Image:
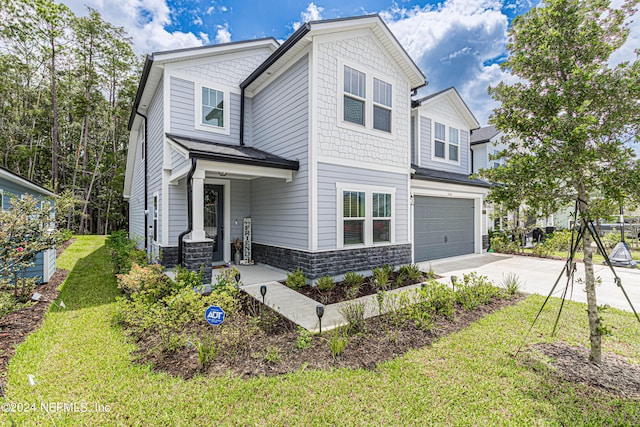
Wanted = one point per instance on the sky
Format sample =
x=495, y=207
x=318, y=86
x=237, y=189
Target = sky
x=456, y=43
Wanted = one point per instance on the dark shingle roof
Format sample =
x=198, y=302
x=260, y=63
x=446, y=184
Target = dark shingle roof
x=450, y=177
x=482, y=135
x=239, y=154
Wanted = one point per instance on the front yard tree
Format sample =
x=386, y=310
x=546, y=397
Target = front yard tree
x=570, y=117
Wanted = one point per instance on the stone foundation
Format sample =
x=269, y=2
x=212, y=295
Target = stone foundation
x=169, y=256
x=485, y=241
x=317, y=264
x=196, y=255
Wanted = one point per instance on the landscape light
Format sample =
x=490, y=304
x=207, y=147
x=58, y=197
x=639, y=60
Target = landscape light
x=320, y=313
x=453, y=282
x=263, y=292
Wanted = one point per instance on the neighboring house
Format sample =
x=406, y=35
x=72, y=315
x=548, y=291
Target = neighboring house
x=310, y=139
x=12, y=185
x=447, y=204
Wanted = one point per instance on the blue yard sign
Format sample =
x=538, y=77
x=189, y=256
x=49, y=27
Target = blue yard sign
x=214, y=315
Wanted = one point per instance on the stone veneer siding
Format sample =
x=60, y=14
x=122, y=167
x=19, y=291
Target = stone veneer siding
x=168, y=256
x=485, y=241
x=317, y=264
x=198, y=254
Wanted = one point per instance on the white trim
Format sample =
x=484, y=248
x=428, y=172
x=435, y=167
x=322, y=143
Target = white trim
x=226, y=194
x=225, y=129
x=178, y=148
x=22, y=181
x=447, y=125
x=368, y=100
x=226, y=49
x=361, y=165
x=155, y=217
x=178, y=175
x=246, y=170
x=368, y=191
x=312, y=153
x=280, y=71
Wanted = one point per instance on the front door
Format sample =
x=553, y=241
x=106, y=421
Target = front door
x=213, y=221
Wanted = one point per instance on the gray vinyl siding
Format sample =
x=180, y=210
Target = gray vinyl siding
x=11, y=189
x=182, y=112
x=279, y=209
x=240, y=207
x=426, y=147
x=178, y=221
x=136, y=200
x=413, y=139
x=425, y=141
x=329, y=175
x=155, y=146
x=178, y=162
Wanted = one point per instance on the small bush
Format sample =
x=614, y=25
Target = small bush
x=503, y=244
x=304, y=339
x=559, y=240
x=437, y=298
x=272, y=354
x=185, y=278
x=227, y=278
x=511, y=284
x=8, y=303
x=353, y=280
x=475, y=291
x=296, y=280
x=411, y=272
x=124, y=252
x=206, y=348
x=338, y=343
x=149, y=282
x=325, y=284
x=610, y=240
x=380, y=277
x=353, y=313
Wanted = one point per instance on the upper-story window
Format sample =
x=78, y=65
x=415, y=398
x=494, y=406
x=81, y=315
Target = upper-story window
x=366, y=100
x=381, y=105
x=446, y=148
x=212, y=108
x=355, y=94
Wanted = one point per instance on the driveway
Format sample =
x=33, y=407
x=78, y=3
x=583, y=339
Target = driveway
x=537, y=275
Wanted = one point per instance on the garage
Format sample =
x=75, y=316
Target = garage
x=443, y=227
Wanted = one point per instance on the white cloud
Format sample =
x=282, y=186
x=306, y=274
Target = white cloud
x=455, y=44
x=144, y=21
x=197, y=21
x=311, y=13
x=222, y=33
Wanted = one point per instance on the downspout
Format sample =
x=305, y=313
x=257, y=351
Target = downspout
x=242, y=116
x=189, y=208
x=146, y=195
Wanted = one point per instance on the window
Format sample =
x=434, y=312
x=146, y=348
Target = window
x=155, y=218
x=453, y=144
x=381, y=105
x=212, y=107
x=354, y=217
x=366, y=213
x=355, y=94
x=381, y=217
x=446, y=145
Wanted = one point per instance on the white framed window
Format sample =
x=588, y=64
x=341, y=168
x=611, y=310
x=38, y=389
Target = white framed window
x=355, y=94
x=365, y=215
x=365, y=100
x=446, y=143
x=212, y=108
x=382, y=105
x=155, y=217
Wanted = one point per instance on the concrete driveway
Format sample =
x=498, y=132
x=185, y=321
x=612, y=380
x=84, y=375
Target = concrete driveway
x=538, y=275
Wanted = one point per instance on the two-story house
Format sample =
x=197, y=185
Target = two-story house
x=304, y=146
x=448, y=206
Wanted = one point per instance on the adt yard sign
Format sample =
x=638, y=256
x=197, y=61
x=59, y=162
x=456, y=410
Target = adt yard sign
x=214, y=315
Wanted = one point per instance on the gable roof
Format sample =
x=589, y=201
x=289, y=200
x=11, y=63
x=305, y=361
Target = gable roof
x=452, y=94
x=299, y=40
x=482, y=135
x=24, y=182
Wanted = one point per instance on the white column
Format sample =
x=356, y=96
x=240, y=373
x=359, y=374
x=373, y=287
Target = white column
x=197, y=203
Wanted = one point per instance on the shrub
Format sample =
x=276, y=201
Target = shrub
x=610, y=240
x=511, y=284
x=475, y=291
x=353, y=313
x=559, y=240
x=148, y=281
x=8, y=303
x=272, y=354
x=304, y=339
x=437, y=298
x=380, y=277
x=206, y=349
x=227, y=278
x=185, y=278
x=353, y=280
x=325, y=284
x=124, y=252
x=296, y=280
x=502, y=243
x=410, y=271
x=338, y=343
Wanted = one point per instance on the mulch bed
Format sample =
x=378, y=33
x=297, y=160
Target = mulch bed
x=614, y=375
x=339, y=293
x=381, y=340
x=16, y=326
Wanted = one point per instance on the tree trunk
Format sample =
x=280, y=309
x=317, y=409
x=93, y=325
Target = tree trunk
x=54, y=105
x=595, y=337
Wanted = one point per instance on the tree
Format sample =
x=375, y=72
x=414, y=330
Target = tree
x=570, y=118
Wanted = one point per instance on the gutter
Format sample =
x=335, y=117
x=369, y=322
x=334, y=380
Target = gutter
x=146, y=193
x=143, y=82
x=194, y=162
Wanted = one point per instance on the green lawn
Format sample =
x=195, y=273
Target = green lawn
x=468, y=378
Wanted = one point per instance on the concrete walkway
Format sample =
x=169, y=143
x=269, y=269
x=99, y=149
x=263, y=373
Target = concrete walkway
x=536, y=275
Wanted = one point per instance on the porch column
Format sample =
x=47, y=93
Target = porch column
x=197, y=203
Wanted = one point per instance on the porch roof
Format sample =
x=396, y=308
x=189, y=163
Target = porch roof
x=207, y=150
x=442, y=176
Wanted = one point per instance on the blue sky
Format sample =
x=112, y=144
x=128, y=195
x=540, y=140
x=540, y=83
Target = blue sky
x=455, y=42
